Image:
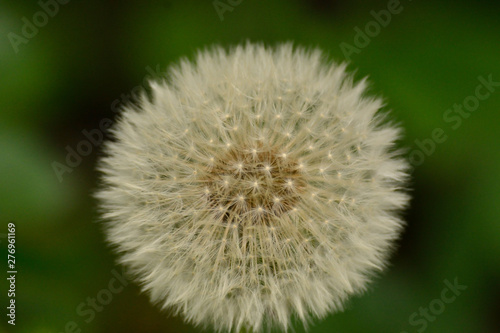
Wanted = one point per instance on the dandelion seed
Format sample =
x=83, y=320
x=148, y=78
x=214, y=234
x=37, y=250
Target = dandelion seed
x=253, y=236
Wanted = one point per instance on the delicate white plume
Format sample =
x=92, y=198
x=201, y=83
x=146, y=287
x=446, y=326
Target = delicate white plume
x=254, y=185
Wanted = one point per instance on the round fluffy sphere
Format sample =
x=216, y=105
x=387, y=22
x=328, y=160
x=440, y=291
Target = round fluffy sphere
x=252, y=186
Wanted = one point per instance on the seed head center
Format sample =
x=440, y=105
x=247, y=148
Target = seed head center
x=256, y=182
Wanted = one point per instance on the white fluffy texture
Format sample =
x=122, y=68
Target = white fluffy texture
x=254, y=185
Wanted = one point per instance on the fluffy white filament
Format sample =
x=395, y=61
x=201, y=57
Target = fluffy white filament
x=254, y=185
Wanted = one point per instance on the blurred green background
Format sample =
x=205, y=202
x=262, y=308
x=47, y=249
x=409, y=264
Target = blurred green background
x=67, y=74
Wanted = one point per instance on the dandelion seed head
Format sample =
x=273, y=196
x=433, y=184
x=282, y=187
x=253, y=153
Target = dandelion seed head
x=254, y=185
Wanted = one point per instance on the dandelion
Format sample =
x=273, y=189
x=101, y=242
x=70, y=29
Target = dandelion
x=253, y=186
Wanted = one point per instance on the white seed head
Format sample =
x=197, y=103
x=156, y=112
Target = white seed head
x=254, y=185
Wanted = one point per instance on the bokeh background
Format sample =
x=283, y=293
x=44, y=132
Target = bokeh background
x=85, y=60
